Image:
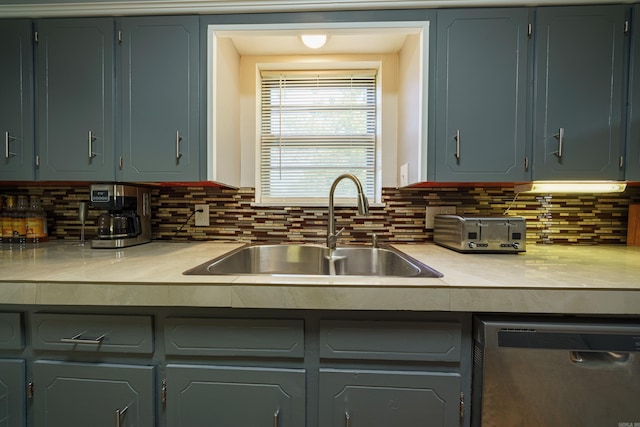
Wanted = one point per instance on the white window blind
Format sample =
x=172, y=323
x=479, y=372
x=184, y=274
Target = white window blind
x=314, y=127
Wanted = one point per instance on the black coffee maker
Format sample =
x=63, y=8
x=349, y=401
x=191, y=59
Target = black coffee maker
x=127, y=221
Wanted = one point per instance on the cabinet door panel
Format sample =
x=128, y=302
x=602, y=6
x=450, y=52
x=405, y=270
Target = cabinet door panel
x=632, y=172
x=579, y=89
x=12, y=393
x=74, y=394
x=16, y=90
x=481, y=95
x=160, y=72
x=75, y=99
x=388, y=398
x=228, y=396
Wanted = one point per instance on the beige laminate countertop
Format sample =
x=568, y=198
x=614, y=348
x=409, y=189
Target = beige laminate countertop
x=546, y=279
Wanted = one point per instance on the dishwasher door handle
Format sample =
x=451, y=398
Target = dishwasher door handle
x=600, y=357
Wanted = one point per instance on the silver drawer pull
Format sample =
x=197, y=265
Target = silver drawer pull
x=77, y=339
x=347, y=420
x=178, y=139
x=7, y=141
x=560, y=137
x=119, y=414
x=90, y=140
x=457, y=138
x=276, y=418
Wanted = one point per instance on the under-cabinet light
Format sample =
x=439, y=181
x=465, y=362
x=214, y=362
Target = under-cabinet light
x=571, y=187
x=314, y=41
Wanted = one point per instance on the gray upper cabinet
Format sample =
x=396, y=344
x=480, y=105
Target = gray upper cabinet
x=579, y=99
x=159, y=75
x=481, y=90
x=75, y=99
x=633, y=141
x=16, y=92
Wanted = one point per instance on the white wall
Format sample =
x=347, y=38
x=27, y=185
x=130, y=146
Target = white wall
x=223, y=114
x=249, y=108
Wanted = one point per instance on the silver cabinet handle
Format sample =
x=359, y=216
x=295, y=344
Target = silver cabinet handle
x=347, y=420
x=178, y=139
x=276, y=418
x=560, y=137
x=7, y=141
x=457, y=138
x=77, y=339
x=91, y=139
x=120, y=414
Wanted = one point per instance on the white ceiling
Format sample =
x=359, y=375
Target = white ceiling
x=340, y=41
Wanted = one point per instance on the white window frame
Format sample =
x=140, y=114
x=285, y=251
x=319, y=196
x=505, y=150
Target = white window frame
x=347, y=187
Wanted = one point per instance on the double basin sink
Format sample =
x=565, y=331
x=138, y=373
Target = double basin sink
x=292, y=259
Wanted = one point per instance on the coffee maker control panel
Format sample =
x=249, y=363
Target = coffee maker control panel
x=114, y=196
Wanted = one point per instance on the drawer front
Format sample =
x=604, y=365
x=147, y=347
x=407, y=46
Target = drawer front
x=11, y=336
x=384, y=340
x=234, y=337
x=92, y=333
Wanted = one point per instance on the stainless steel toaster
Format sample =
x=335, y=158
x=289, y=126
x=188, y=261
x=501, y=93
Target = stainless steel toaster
x=481, y=233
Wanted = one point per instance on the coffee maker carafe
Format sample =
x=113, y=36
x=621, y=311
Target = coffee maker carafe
x=127, y=221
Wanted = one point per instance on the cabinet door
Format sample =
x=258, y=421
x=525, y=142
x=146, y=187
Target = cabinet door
x=389, y=398
x=75, y=99
x=12, y=393
x=579, y=70
x=160, y=96
x=96, y=395
x=632, y=172
x=481, y=95
x=16, y=92
x=234, y=396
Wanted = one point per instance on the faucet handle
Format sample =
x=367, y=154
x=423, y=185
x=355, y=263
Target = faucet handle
x=339, y=232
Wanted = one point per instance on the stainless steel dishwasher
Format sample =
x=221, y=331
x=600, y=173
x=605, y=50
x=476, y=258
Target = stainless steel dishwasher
x=554, y=372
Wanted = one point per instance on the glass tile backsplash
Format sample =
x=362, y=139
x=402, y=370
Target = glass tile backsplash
x=564, y=219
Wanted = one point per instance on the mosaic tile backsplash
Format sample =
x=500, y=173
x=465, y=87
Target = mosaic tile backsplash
x=563, y=219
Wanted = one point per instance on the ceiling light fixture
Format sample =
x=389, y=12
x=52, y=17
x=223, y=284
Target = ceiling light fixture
x=571, y=187
x=314, y=41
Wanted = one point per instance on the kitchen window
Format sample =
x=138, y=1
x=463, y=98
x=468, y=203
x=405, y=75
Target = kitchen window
x=316, y=125
x=261, y=139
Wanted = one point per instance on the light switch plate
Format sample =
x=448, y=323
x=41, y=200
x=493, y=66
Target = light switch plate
x=404, y=175
x=202, y=218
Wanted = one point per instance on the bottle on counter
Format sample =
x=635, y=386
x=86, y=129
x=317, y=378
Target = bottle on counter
x=36, y=219
x=6, y=220
x=20, y=220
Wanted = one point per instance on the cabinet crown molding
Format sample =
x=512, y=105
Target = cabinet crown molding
x=45, y=9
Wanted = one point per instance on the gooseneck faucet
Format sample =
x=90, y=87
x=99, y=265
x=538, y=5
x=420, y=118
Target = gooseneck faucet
x=363, y=208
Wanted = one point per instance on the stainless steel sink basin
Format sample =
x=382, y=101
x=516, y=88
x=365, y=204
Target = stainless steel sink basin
x=315, y=260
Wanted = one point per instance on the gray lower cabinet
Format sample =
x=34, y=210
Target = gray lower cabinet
x=12, y=393
x=83, y=374
x=160, y=90
x=481, y=95
x=13, y=390
x=230, y=377
x=91, y=394
x=632, y=171
x=418, y=380
x=579, y=92
x=16, y=109
x=389, y=398
x=199, y=395
x=75, y=105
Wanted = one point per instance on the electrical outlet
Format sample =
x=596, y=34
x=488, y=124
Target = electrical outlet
x=202, y=218
x=432, y=211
